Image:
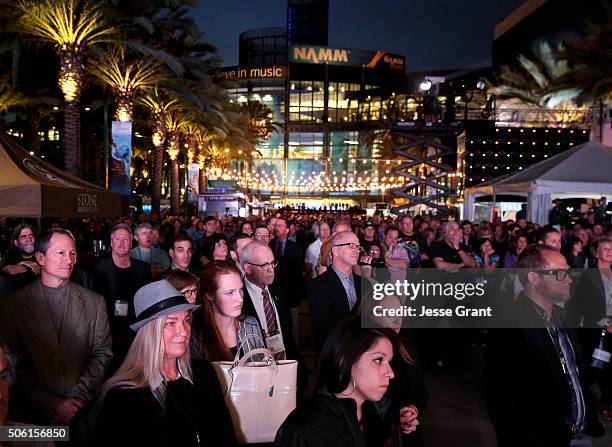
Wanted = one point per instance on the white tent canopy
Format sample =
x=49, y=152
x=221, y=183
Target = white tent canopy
x=583, y=171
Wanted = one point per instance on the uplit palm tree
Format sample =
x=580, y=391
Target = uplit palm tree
x=125, y=77
x=536, y=80
x=175, y=120
x=589, y=57
x=159, y=107
x=71, y=26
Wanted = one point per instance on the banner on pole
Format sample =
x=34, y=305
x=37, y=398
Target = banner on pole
x=121, y=161
x=193, y=182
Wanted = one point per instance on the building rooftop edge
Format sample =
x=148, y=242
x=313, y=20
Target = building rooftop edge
x=517, y=16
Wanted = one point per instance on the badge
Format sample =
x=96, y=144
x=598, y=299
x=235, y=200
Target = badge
x=121, y=308
x=275, y=343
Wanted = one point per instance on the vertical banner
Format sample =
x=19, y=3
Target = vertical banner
x=193, y=182
x=120, y=178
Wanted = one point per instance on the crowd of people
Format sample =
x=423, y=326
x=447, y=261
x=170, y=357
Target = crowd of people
x=119, y=345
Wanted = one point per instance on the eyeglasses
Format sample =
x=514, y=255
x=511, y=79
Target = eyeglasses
x=190, y=292
x=266, y=265
x=351, y=245
x=559, y=274
x=262, y=235
x=27, y=236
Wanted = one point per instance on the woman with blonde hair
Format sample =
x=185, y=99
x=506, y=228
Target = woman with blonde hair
x=220, y=330
x=159, y=396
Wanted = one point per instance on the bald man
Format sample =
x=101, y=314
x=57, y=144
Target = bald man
x=336, y=293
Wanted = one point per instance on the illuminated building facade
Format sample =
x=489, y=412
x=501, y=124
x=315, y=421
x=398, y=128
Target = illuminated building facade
x=327, y=105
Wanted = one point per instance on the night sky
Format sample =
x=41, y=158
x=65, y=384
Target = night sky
x=432, y=34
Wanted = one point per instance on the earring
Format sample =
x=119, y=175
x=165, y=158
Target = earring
x=212, y=305
x=352, y=391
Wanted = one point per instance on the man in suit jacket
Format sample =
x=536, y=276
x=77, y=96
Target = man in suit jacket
x=117, y=279
x=259, y=291
x=59, y=332
x=336, y=293
x=289, y=274
x=535, y=382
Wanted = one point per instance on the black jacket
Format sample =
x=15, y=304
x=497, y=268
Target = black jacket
x=329, y=303
x=105, y=283
x=323, y=421
x=284, y=317
x=289, y=273
x=134, y=417
x=527, y=393
x=588, y=303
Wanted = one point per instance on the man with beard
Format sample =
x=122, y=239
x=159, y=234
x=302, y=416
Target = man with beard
x=20, y=267
x=534, y=369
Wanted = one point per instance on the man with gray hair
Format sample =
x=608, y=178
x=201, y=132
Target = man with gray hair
x=117, y=278
x=336, y=293
x=144, y=251
x=59, y=332
x=450, y=253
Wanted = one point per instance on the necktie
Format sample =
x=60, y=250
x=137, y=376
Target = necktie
x=269, y=311
x=279, y=249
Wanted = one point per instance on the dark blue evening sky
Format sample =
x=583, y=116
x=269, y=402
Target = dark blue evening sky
x=432, y=34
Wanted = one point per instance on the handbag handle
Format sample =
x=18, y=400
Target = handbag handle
x=240, y=346
x=270, y=363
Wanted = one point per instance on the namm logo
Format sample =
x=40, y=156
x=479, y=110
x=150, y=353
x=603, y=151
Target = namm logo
x=318, y=55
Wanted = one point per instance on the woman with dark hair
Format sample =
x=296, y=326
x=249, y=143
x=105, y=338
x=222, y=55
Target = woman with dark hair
x=215, y=249
x=246, y=227
x=484, y=254
x=517, y=246
x=575, y=253
x=219, y=328
x=354, y=370
x=405, y=402
x=184, y=282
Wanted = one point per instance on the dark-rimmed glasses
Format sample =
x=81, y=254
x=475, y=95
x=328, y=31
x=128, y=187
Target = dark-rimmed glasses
x=265, y=265
x=351, y=245
x=559, y=274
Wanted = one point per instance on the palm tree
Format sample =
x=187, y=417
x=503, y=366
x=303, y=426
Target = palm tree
x=175, y=121
x=9, y=98
x=535, y=80
x=261, y=119
x=125, y=77
x=589, y=57
x=159, y=108
x=71, y=26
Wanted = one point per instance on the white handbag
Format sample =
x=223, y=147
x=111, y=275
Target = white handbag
x=259, y=394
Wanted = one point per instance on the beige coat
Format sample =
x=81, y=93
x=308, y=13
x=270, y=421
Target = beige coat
x=50, y=368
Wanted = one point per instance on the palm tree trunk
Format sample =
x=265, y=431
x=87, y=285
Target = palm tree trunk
x=158, y=159
x=174, y=188
x=72, y=140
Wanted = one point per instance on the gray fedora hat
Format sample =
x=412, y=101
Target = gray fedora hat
x=157, y=299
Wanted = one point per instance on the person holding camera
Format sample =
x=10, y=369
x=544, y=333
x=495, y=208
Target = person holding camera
x=373, y=264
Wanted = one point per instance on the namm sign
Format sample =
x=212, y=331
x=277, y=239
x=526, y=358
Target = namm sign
x=308, y=54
